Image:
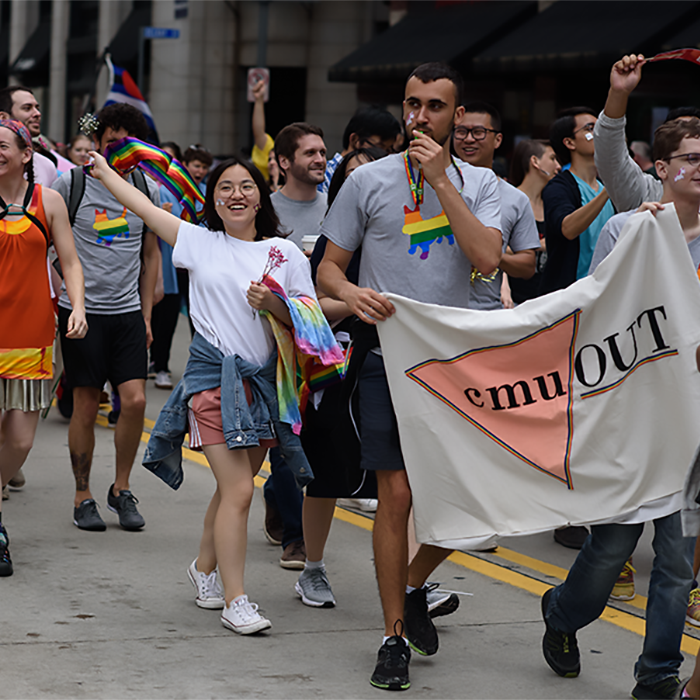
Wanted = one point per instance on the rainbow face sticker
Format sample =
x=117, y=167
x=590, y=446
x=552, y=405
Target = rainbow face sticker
x=680, y=175
x=109, y=229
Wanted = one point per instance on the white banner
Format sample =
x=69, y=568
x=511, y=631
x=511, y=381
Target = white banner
x=582, y=406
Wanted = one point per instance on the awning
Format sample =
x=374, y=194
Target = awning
x=124, y=47
x=33, y=60
x=583, y=34
x=452, y=34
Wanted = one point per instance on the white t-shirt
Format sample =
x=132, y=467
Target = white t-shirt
x=221, y=269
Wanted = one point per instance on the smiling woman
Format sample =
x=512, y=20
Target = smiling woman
x=31, y=218
x=230, y=343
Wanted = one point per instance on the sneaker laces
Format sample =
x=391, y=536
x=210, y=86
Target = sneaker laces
x=248, y=611
x=318, y=579
x=209, y=585
x=694, y=597
x=128, y=502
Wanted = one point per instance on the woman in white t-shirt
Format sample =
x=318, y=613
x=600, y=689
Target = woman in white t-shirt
x=222, y=260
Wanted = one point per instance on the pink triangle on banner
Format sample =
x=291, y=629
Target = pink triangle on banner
x=519, y=394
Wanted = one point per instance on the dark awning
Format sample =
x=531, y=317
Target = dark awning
x=33, y=60
x=452, y=34
x=124, y=48
x=586, y=33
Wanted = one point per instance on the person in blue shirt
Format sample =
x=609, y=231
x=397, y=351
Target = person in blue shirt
x=576, y=204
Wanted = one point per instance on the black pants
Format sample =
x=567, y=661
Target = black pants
x=163, y=323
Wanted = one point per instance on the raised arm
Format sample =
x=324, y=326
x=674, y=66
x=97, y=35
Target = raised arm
x=259, y=116
x=162, y=223
x=624, y=180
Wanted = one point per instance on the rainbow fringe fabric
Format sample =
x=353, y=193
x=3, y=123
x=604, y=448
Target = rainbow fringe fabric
x=308, y=357
x=129, y=153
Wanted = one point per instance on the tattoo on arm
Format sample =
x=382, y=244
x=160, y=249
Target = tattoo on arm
x=81, y=463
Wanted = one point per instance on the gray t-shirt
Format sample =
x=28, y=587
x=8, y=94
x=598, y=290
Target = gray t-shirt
x=611, y=232
x=405, y=250
x=300, y=219
x=108, y=239
x=519, y=231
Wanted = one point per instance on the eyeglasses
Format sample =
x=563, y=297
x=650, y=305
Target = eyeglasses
x=691, y=158
x=478, y=132
x=588, y=128
x=245, y=188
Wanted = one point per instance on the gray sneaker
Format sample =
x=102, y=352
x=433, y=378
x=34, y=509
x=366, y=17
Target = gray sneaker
x=86, y=517
x=124, y=505
x=314, y=589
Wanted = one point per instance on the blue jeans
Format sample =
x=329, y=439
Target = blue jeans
x=281, y=491
x=582, y=597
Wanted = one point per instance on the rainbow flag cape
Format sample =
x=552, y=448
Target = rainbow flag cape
x=129, y=153
x=308, y=356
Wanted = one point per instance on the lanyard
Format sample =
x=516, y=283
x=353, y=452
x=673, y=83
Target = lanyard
x=417, y=185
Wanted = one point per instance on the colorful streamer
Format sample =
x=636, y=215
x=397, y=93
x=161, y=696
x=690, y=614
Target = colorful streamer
x=309, y=358
x=692, y=55
x=130, y=153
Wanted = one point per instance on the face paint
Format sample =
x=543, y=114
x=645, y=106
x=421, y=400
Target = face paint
x=680, y=175
x=220, y=202
x=589, y=136
x=410, y=120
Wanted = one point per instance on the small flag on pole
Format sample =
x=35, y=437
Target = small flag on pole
x=124, y=89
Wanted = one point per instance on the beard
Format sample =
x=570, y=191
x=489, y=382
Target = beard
x=306, y=175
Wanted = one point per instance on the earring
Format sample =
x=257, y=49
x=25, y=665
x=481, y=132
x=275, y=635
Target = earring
x=257, y=208
x=220, y=202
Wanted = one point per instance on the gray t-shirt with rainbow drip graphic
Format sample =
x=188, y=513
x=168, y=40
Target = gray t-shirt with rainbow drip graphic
x=405, y=250
x=108, y=239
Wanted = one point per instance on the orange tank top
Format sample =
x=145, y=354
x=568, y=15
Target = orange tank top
x=26, y=312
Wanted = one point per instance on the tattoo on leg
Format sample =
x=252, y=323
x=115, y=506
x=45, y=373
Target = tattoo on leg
x=81, y=464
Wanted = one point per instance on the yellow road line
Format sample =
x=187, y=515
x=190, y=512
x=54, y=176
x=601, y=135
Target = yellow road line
x=626, y=621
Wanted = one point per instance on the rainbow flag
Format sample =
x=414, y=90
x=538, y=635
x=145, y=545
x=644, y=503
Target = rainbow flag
x=130, y=153
x=308, y=356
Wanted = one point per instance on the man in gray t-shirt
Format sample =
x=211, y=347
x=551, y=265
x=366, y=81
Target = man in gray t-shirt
x=113, y=245
x=423, y=219
x=475, y=140
x=301, y=153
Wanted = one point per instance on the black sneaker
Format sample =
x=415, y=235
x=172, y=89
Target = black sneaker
x=420, y=630
x=391, y=671
x=440, y=602
x=5, y=561
x=124, y=505
x=86, y=517
x=112, y=418
x=559, y=648
x=667, y=688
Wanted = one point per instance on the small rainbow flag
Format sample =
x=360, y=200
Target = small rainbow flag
x=130, y=153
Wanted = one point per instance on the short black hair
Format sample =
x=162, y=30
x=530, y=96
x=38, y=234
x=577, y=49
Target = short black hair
x=122, y=116
x=520, y=164
x=6, y=96
x=173, y=147
x=371, y=154
x=287, y=140
x=197, y=152
x=430, y=72
x=479, y=107
x=687, y=111
x=371, y=121
x=563, y=128
x=267, y=224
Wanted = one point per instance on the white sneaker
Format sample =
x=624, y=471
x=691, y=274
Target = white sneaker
x=243, y=617
x=209, y=593
x=163, y=380
x=368, y=505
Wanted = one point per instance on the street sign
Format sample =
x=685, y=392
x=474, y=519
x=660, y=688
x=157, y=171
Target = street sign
x=160, y=33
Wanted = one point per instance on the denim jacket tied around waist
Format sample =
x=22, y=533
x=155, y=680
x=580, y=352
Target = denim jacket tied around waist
x=244, y=426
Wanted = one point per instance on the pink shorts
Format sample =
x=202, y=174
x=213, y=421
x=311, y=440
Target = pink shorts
x=205, y=419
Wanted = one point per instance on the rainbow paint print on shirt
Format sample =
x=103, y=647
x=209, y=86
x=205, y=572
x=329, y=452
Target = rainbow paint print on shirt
x=425, y=232
x=109, y=229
